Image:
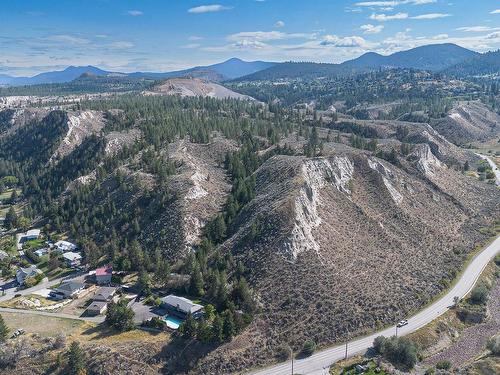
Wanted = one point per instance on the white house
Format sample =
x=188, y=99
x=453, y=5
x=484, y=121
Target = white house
x=72, y=259
x=69, y=289
x=41, y=252
x=64, y=246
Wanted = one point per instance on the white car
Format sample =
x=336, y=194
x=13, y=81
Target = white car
x=402, y=323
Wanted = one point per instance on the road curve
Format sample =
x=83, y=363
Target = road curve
x=493, y=166
x=320, y=362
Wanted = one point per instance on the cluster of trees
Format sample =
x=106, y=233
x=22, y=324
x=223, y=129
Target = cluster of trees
x=120, y=316
x=362, y=143
x=214, y=327
x=397, y=350
x=429, y=91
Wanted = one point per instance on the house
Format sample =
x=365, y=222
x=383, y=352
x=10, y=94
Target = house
x=32, y=234
x=64, y=246
x=41, y=252
x=23, y=273
x=96, y=308
x=103, y=275
x=72, y=259
x=181, y=307
x=105, y=294
x=69, y=289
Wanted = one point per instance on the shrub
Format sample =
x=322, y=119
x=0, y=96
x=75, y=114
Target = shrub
x=479, y=295
x=397, y=350
x=494, y=345
x=283, y=352
x=308, y=348
x=443, y=365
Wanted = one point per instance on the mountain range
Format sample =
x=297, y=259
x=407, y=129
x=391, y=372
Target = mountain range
x=450, y=58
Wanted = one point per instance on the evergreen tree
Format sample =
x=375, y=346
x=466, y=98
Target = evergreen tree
x=4, y=330
x=76, y=361
x=218, y=329
x=11, y=218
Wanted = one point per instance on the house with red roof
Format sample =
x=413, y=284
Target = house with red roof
x=103, y=275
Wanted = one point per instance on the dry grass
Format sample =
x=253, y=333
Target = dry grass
x=42, y=325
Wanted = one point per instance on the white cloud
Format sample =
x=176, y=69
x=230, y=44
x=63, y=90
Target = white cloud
x=191, y=46
x=267, y=36
x=496, y=11
x=68, y=39
x=121, y=45
x=477, y=29
x=347, y=41
x=393, y=3
x=208, y=9
x=195, y=38
x=388, y=17
x=431, y=16
x=279, y=24
x=135, y=13
x=371, y=29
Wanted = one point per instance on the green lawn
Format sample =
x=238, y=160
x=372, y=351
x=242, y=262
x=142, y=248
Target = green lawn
x=7, y=193
x=34, y=244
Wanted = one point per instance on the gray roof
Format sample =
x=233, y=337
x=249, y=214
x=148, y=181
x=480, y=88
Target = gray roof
x=180, y=303
x=71, y=286
x=29, y=271
x=3, y=255
x=97, y=305
x=105, y=292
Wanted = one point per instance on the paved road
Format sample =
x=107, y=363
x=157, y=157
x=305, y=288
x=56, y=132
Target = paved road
x=94, y=319
x=493, y=166
x=320, y=362
x=45, y=284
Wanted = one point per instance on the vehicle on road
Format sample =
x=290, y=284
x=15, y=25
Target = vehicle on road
x=402, y=323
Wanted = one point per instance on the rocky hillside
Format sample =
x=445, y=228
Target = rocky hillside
x=469, y=122
x=191, y=87
x=350, y=243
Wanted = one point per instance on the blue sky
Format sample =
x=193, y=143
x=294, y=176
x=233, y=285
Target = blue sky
x=163, y=35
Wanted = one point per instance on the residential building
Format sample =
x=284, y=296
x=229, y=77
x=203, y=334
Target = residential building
x=32, y=234
x=103, y=275
x=23, y=273
x=41, y=252
x=72, y=259
x=64, y=246
x=96, y=308
x=181, y=307
x=69, y=289
x=3, y=255
x=105, y=294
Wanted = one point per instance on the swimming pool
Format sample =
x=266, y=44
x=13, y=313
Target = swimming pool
x=172, y=321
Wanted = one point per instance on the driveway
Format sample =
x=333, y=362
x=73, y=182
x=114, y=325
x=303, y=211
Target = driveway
x=144, y=312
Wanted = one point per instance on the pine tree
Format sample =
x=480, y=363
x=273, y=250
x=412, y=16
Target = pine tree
x=76, y=361
x=218, y=329
x=4, y=330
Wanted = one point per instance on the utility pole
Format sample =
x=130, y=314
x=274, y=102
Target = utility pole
x=396, y=331
x=291, y=351
x=346, y=349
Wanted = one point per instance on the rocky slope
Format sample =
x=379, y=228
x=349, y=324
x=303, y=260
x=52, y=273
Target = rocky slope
x=469, y=122
x=350, y=243
x=194, y=87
